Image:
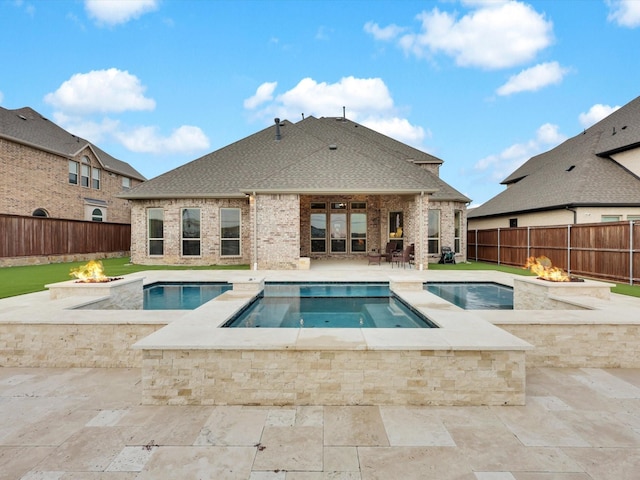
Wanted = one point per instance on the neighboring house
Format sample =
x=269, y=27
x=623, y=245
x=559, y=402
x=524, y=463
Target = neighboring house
x=592, y=177
x=319, y=188
x=48, y=172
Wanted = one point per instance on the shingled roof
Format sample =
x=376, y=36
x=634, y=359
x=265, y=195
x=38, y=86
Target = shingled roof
x=28, y=127
x=578, y=172
x=315, y=155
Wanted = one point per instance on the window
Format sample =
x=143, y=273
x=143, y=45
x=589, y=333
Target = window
x=318, y=206
x=610, y=218
x=40, y=212
x=457, y=231
x=395, y=229
x=84, y=178
x=635, y=218
x=358, y=232
x=126, y=183
x=339, y=206
x=190, y=232
x=155, y=220
x=73, y=172
x=513, y=223
x=230, y=232
x=96, y=215
x=319, y=232
x=95, y=177
x=339, y=232
x=434, y=231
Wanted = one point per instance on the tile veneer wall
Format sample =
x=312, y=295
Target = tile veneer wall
x=263, y=377
x=72, y=345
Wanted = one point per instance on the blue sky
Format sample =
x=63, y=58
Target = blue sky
x=482, y=84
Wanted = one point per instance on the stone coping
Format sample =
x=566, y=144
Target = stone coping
x=458, y=330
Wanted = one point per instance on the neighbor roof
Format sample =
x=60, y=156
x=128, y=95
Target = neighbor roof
x=315, y=155
x=578, y=172
x=28, y=127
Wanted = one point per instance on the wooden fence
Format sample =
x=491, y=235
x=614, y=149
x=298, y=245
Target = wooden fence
x=36, y=236
x=608, y=251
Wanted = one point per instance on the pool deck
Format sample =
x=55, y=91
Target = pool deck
x=89, y=424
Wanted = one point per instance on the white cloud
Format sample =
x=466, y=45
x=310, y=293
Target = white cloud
x=625, y=13
x=501, y=165
x=494, y=34
x=367, y=101
x=115, y=12
x=102, y=91
x=534, y=78
x=1, y=97
x=398, y=128
x=185, y=139
x=263, y=94
x=81, y=101
x=387, y=33
x=595, y=114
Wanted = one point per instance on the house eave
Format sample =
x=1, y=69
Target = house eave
x=567, y=206
x=338, y=191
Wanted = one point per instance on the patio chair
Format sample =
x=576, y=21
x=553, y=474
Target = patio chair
x=447, y=256
x=404, y=257
x=388, y=251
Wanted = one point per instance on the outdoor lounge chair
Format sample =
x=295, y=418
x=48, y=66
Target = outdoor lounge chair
x=447, y=256
x=404, y=257
x=388, y=251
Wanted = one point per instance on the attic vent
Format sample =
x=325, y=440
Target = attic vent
x=571, y=168
x=333, y=146
x=22, y=117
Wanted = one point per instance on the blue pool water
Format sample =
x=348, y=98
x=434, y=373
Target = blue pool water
x=181, y=296
x=474, y=295
x=328, y=305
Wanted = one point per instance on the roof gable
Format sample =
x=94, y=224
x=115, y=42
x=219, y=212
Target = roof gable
x=576, y=172
x=28, y=127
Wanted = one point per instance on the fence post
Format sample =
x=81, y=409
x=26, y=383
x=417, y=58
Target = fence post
x=630, y=252
x=498, y=245
x=569, y=249
x=476, y=244
x=528, y=242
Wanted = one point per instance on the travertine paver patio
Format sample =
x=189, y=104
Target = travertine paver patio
x=63, y=424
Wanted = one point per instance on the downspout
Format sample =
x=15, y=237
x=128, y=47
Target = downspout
x=421, y=231
x=255, y=231
x=575, y=214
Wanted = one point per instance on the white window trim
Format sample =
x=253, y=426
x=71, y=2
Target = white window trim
x=182, y=238
x=149, y=237
x=239, y=239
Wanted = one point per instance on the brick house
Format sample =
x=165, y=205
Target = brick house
x=46, y=171
x=592, y=177
x=319, y=188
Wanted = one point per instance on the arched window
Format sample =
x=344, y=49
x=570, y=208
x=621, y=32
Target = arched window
x=96, y=215
x=40, y=212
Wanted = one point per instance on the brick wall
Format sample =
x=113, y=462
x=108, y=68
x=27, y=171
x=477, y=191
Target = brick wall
x=209, y=228
x=278, y=231
x=35, y=179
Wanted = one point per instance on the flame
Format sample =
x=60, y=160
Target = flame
x=543, y=268
x=91, y=272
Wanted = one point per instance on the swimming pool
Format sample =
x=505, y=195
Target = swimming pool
x=180, y=295
x=474, y=295
x=328, y=305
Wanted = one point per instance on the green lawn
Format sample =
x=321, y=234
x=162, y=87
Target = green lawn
x=33, y=278
x=21, y=280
